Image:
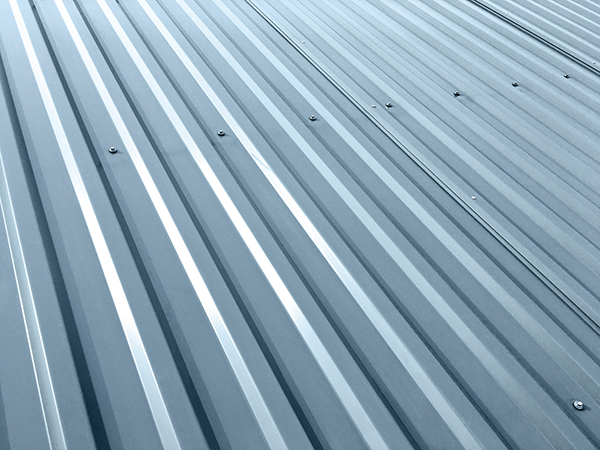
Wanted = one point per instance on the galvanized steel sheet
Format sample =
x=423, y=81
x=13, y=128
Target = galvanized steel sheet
x=327, y=224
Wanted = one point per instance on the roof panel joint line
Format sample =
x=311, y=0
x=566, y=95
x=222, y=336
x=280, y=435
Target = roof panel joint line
x=146, y=373
x=35, y=340
x=550, y=280
x=536, y=36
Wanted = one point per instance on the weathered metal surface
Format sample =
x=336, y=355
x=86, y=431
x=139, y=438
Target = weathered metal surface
x=272, y=224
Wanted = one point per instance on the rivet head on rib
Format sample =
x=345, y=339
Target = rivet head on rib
x=112, y=150
x=515, y=84
x=578, y=405
x=312, y=118
x=388, y=105
x=221, y=133
x=456, y=93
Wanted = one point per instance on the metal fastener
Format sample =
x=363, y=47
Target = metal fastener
x=388, y=105
x=112, y=150
x=456, y=94
x=373, y=106
x=515, y=84
x=567, y=75
x=578, y=405
x=474, y=198
x=312, y=118
x=221, y=133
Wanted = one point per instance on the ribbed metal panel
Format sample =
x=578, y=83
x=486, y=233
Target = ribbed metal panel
x=322, y=224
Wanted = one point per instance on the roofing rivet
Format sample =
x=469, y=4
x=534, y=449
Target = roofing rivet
x=593, y=62
x=567, y=75
x=112, y=150
x=474, y=198
x=388, y=105
x=312, y=118
x=578, y=405
x=221, y=133
x=304, y=42
x=515, y=84
x=456, y=94
x=373, y=106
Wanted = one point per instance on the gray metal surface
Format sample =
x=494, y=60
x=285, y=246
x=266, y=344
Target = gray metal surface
x=407, y=269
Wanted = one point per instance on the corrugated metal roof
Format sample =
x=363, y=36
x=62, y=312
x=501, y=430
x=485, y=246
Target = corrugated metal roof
x=322, y=224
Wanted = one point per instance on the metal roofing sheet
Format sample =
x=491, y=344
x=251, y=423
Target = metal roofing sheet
x=272, y=224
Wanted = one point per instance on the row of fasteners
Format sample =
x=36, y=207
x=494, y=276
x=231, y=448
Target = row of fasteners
x=312, y=118
x=514, y=83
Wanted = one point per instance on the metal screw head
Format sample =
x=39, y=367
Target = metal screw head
x=578, y=405
x=515, y=84
x=312, y=118
x=112, y=150
x=221, y=133
x=388, y=105
x=567, y=75
x=456, y=94
x=474, y=198
x=373, y=106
